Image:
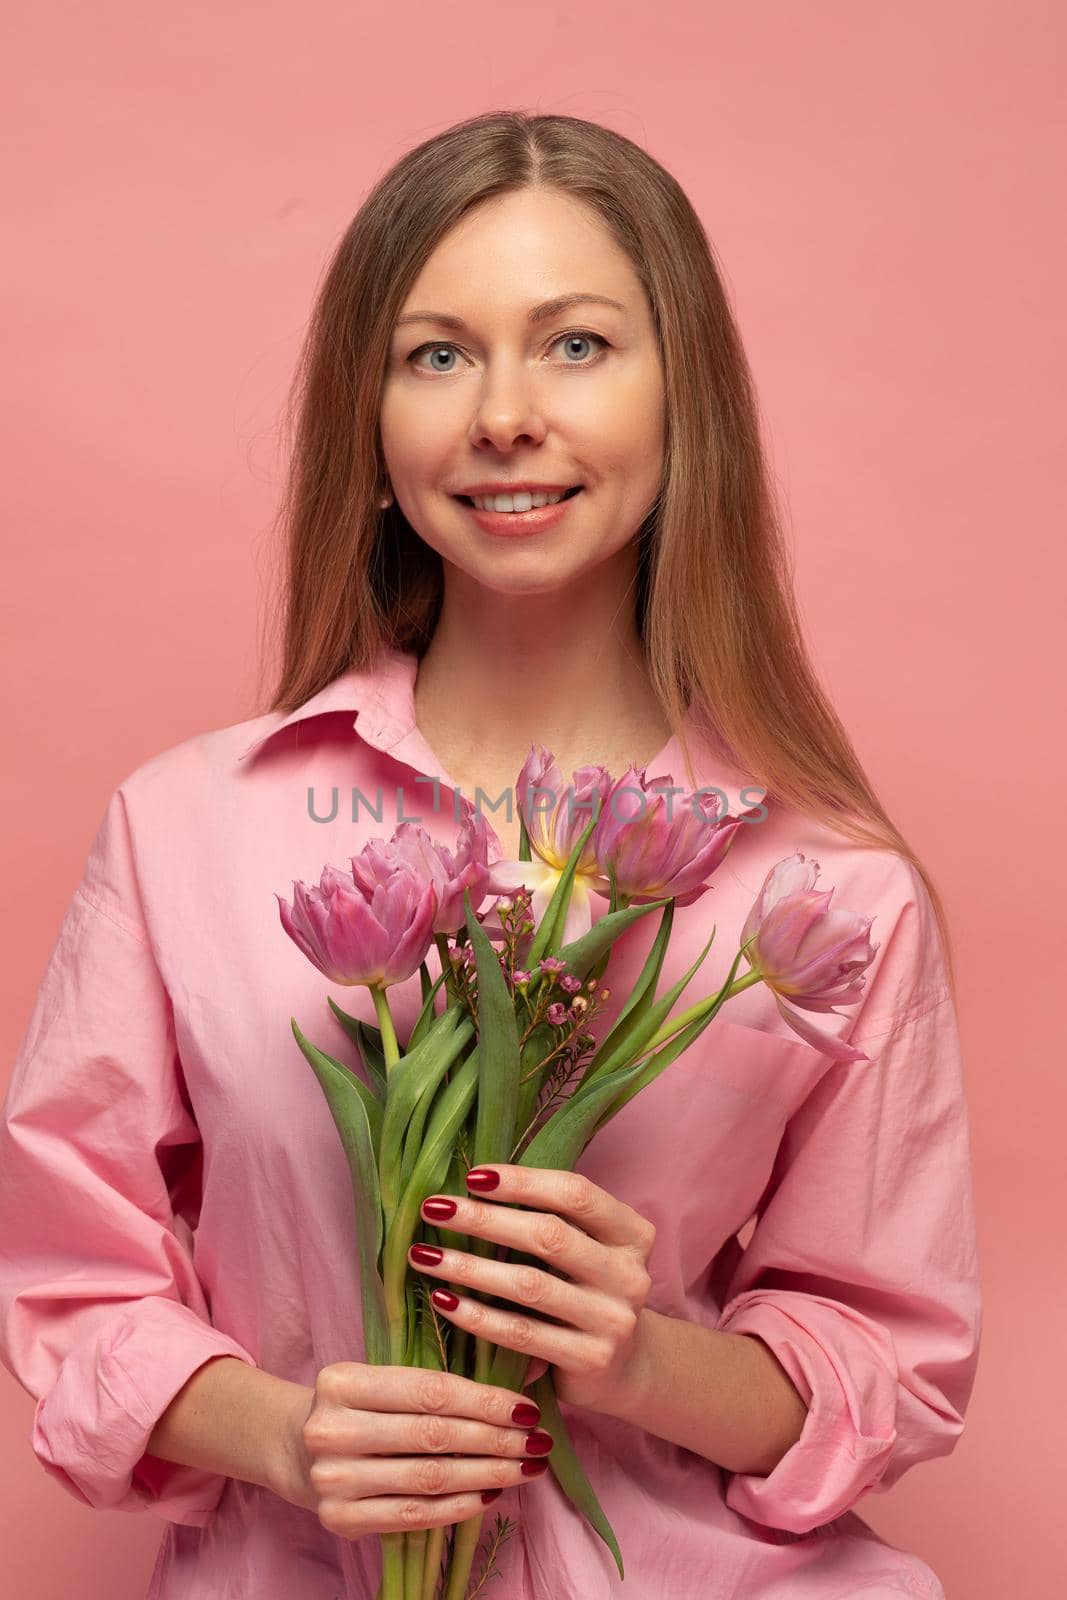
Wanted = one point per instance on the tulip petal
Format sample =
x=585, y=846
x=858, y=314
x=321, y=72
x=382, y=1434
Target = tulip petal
x=827, y=1043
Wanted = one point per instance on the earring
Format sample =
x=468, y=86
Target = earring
x=385, y=500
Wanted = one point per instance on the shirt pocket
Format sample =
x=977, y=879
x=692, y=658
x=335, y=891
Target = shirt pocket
x=759, y=1065
x=694, y=1150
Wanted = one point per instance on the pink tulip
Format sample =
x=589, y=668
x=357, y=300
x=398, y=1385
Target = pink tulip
x=809, y=955
x=554, y=819
x=660, y=843
x=450, y=872
x=373, y=935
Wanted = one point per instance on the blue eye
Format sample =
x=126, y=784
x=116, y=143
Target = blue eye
x=574, y=336
x=435, y=348
x=579, y=336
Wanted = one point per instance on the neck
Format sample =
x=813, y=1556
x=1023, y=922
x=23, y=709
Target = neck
x=567, y=671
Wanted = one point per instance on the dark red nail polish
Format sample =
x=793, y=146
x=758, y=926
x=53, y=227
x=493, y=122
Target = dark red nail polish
x=479, y=1178
x=438, y=1210
x=534, y=1469
x=444, y=1299
x=489, y=1495
x=526, y=1415
x=427, y=1255
x=539, y=1443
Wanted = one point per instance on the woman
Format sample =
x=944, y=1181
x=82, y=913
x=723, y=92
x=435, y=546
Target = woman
x=522, y=304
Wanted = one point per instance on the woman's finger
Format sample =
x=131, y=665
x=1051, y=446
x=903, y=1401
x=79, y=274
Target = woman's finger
x=529, y=1287
x=353, y=1519
x=364, y=1386
x=594, y=1210
x=571, y=1349
x=358, y=1478
x=394, y=1433
x=606, y=1248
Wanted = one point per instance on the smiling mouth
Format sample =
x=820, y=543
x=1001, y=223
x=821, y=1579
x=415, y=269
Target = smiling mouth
x=567, y=495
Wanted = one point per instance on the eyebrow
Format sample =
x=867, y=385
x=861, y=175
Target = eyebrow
x=539, y=313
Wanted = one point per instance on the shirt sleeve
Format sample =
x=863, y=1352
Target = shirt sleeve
x=861, y=1274
x=102, y=1316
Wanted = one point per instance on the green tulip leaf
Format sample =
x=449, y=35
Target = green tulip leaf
x=427, y=1015
x=498, y=1038
x=547, y=936
x=566, y=1467
x=561, y=1140
x=435, y=1153
x=537, y=1048
x=613, y=899
x=424, y=1108
x=640, y=1027
x=507, y=1372
x=352, y=1106
x=368, y=1041
x=582, y=952
x=654, y=1065
x=414, y=1079
x=411, y=1324
x=643, y=993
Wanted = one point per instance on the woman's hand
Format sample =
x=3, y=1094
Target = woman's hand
x=595, y=1284
x=387, y=1449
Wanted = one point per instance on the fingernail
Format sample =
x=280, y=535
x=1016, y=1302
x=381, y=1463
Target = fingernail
x=438, y=1210
x=534, y=1469
x=444, y=1299
x=539, y=1443
x=526, y=1415
x=489, y=1495
x=427, y=1255
x=479, y=1178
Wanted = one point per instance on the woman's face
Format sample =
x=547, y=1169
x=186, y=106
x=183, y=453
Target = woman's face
x=478, y=390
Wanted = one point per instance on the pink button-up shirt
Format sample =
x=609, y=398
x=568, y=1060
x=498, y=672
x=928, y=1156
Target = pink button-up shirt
x=173, y=1187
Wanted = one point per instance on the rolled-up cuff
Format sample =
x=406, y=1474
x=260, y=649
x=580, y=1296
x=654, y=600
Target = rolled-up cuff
x=91, y=1430
x=849, y=1435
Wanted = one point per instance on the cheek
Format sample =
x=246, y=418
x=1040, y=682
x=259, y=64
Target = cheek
x=622, y=428
x=646, y=417
x=418, y=435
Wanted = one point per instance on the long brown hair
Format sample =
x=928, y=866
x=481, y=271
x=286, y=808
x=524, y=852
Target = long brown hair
x=359, y=578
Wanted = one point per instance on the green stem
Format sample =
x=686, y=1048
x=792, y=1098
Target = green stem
x=451, y=987
x=394, y=1559
x=458, y=1342
x=468, y=1533
x=435, y=1549
x=390, y=1048
x=392, y=1586
x=675, y=1024
x=415, y=1542
x=414, y=1564
x=599, y=968
x=464, y=1549
x=755, y=976
x=483, y=1359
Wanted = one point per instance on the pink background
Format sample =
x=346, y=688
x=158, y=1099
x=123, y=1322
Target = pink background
x=879, y=183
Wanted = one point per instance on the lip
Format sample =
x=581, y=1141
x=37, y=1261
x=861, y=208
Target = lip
x=514, y=524
x=517, y=488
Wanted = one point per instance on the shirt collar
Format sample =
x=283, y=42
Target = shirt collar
x=382, y=695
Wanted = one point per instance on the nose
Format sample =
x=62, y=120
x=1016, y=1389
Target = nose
x=508, y=411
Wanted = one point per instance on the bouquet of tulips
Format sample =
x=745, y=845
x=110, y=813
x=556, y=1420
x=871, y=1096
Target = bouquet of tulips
x=501, y=1064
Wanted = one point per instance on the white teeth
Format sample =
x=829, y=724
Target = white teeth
x=522, y=501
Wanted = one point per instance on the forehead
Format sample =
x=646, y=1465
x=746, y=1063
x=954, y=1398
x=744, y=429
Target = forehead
x=515, y=250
